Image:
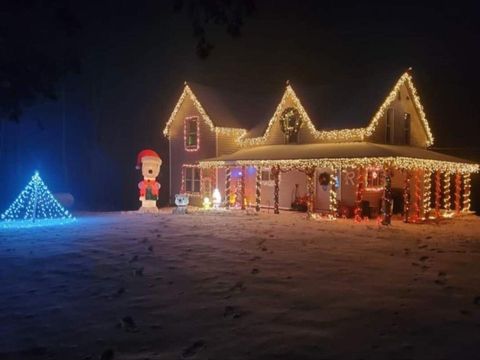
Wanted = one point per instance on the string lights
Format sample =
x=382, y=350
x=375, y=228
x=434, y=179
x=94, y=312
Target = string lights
x=402, y=163
x=310, y=173
x=387, y=199
x=228, y=176
x=276, y=195
x=438, y=193
x=446, y=193
x=333, y=205
x=355, y=134
x=190, y=145
x=406, y=198
x=258, y=188
x=427, y=193
x=35, y=206
x=467, y=189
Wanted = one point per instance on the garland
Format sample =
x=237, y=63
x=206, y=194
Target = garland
x=446, y=193
x=387, y=199
x=333, y=206
x=359, y=196
x=276, y=173
x=466, y=192
x=458, y=189
x=228, y=175
x=438, y=193
x=427, y=183
x=406, y=198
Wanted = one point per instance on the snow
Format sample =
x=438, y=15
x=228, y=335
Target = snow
x=235, y=285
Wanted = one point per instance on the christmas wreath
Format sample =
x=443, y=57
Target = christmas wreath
x=290, y=121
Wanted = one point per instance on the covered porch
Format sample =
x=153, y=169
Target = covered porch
x=355, y=180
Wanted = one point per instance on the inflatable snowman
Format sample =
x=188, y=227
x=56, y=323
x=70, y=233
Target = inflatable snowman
x=149, y=162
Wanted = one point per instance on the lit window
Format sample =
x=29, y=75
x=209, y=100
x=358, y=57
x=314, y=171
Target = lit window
x=407, y=127
x=375, y=179
x=192, y=178
x=191, y=133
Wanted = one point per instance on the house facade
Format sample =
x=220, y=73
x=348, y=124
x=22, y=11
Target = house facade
x=289, y=162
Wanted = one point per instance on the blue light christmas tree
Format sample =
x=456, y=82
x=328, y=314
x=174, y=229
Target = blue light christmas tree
x=35, y=206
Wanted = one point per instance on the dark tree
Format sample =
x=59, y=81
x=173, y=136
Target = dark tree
x=37, y=49
x=224, y=13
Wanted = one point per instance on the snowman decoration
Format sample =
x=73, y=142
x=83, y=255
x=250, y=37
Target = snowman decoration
x=149, y=162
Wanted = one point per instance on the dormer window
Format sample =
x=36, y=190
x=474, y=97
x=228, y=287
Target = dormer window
x=191, y=132
x=290, y=122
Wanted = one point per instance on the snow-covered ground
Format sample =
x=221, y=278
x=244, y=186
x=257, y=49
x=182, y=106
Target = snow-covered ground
x=238, y=286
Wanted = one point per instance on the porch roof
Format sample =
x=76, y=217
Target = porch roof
x=344, y=155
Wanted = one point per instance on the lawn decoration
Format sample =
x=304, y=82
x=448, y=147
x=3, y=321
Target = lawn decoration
x=149, y=162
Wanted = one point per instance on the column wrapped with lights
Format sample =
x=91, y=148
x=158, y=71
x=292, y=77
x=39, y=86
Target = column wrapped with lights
x=359, y=195
x=276, y=189
x=467, y=190
x=310, y=173
x=387, y=199
x=333, y=205
x=244, y=200
x=228, y=177
x=406, y=197
x=438, y=193
x=458, y=190
x=446, y=193
x=258, y=188
x=417, y=198
x=427, y=192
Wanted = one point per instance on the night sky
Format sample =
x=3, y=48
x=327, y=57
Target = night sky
x=135, y=56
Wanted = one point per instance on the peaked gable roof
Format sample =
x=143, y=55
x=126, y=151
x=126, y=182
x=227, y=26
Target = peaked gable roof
x=320, y=106
x=324, y=112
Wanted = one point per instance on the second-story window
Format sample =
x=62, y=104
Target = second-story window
x=407, y=128
x=191, y=132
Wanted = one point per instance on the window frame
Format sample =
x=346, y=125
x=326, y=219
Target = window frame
x=189, y=180
x=374, y=184
x=187, y=133
x=271, y=177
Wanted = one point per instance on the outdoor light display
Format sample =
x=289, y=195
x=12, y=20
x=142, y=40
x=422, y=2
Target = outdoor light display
x=466, y=192
x=35, y=206
x=149, y=162
x=216, y=198
x=427, y=184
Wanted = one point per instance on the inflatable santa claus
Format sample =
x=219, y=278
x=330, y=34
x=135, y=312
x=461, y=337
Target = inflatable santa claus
x=149, y=161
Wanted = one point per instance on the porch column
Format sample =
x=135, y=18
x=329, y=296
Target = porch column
x=427, y=193
x=416, y=197
x=276, y=190
x=467, y=190
x=333, y=206
x=228, y=176
x=310, y=172
x=243, y=188
x=387, y=199
x=258, y=188
x=406, y=197
x=359, y=195
x=446, y=193
x=458, y=189
x=438, y=193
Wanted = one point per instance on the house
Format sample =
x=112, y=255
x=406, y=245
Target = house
x=294, y=160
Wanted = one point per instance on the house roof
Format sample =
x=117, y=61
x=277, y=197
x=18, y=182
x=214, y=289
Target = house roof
x=356, y=103
x=344, y=154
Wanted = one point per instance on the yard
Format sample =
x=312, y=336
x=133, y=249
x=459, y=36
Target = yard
x=232, y=285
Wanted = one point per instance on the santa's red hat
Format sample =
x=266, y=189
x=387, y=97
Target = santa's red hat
x=146, y=153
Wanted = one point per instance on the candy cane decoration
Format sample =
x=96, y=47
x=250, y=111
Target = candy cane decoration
x=446, y=193
x=228, y=175
x=427, y=192
x=467, y=190
x=258, y=187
